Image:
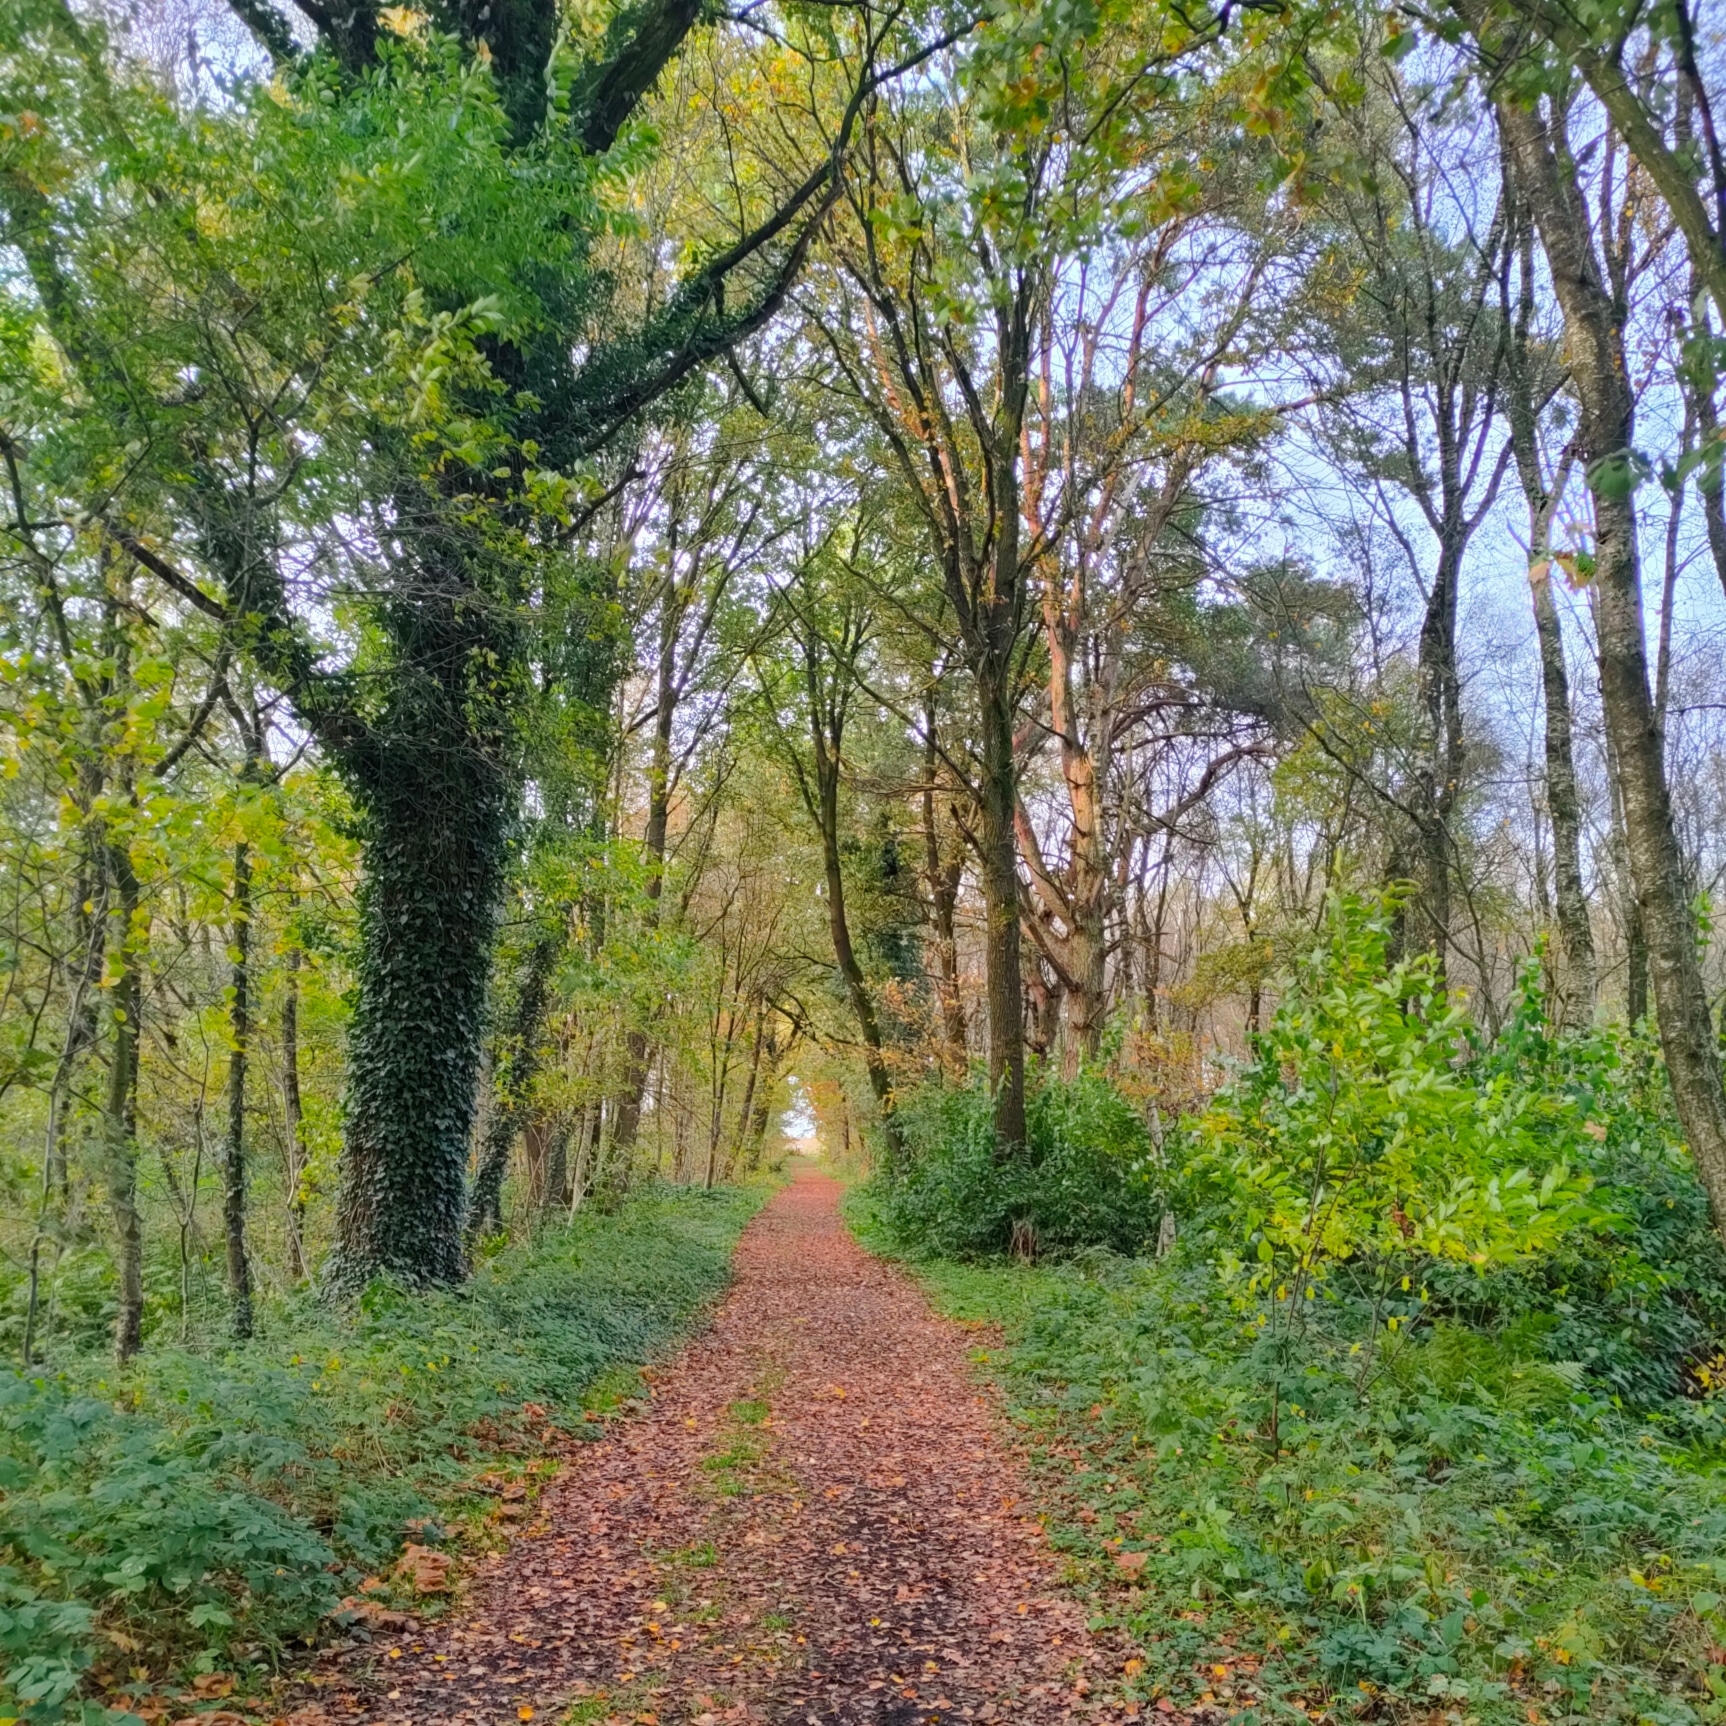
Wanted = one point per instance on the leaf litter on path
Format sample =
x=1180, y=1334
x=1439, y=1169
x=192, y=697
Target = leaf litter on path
x=816, y=1520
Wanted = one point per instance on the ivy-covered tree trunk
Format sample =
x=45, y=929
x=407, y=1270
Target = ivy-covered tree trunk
x=293, y=1112
x=428, y=909
x=234, y=1151
x=120, y=1113
x=515, y=1061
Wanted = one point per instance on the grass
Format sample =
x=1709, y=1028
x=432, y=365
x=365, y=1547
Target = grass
x=1480, y=1539
x=208, y=1511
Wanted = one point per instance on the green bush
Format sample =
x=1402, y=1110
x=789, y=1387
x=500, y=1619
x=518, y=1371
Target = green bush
x=1640, y=1300
x=201, y=1510
x=1088, y=1175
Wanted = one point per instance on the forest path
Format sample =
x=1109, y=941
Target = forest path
x=816, y=1519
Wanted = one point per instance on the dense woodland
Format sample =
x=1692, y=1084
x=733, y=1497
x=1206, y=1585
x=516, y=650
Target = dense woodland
x=1115, y=608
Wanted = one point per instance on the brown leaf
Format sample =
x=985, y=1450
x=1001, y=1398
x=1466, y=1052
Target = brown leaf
x=425, y=1569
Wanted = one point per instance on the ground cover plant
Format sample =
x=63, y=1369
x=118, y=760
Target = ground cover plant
x=205, y=1511
x=1417, y=1419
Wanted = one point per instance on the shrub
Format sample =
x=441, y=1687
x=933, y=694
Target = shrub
x=1361, y=1130
x=1640, y=1300
x=1088, y=1175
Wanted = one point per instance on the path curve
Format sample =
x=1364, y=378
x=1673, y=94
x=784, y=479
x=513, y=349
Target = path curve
x=818, y=1519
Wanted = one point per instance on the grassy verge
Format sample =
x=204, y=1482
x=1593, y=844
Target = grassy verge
x=198, y=1515
x=1478, y=1539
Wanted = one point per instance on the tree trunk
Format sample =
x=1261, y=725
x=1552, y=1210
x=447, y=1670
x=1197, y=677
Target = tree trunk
x=428, y=908
x=845, y=956
x=1596, y=352
x=1439, y=777
x=1576, y=994
x=1574, y=1004
x=1711, y=481
x=234, y=1148
x=943, y=869
x=999, y=867
x=120, y=1120
x=514, y=1065
x=637, y=1045
x=294, y=1118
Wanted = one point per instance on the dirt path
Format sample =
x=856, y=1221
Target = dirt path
x=816, y=1520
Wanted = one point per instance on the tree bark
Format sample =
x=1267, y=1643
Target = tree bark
x=1595, y=332
x=234, y=1148
x=293, y=1114
x=998, y=802
x=428, y=909
x=637, y=1045
x=515, y=1062
x=943, y=870
x=1574, y=995
x=119, y=1115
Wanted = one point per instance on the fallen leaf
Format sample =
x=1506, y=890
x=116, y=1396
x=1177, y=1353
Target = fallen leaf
x=425, y=1569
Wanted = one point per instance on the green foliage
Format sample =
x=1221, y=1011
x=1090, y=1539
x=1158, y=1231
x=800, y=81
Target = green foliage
x=1088, y=1175
x=205, y=1510
x=1639, y=1301
x=1481, y=1530
x=1403, y=1426
x=1361, y=1129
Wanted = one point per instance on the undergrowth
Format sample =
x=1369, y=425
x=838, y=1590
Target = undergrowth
x=204, y=1512
x=1484, y=1537
x=1421, y=1418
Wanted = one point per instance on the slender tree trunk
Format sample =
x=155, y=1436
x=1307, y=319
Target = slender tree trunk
x=637, y=1043
x=943, y=870
x=234, y=1148
x=856, y=984
x=1576, y=997
x=514, y=1065
x=1440, y=776
x=1601, y=380
x=293, y=1114
x=999, y=868
x=1576, y=983
x=1711, y=481
x=120, y=1121
x=763, y=1107
x=746, y=1108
